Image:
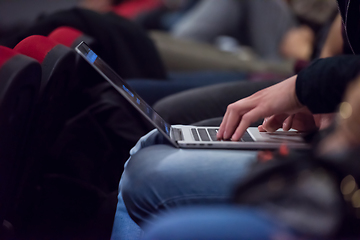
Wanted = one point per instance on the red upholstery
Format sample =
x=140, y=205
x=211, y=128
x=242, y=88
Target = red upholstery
x=6, y=54
x=65, y=35
x=131, y=9
x=36, y=47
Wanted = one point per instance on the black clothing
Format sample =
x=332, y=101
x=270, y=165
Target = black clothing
x=321, y=86
x=350, y=14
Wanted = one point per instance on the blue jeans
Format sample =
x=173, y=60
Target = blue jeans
x=159, y=177
x=214, y=223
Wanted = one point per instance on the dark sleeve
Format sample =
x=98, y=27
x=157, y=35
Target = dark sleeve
x=321, y=86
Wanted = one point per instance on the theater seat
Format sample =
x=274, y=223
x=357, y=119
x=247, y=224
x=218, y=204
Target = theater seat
x=58, y=67
x=57, y=63
x=86, y=76
x=70, y=37
x=59, y=198
x=52, y=108
x=20, y=78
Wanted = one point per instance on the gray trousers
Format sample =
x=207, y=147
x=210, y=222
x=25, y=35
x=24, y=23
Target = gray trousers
x=261, y=23
x=203, y=103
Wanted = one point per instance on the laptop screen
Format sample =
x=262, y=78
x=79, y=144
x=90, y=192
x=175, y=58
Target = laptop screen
x=120, y=85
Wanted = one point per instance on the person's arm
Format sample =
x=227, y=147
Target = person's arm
x=320, y=88
x=334, y=42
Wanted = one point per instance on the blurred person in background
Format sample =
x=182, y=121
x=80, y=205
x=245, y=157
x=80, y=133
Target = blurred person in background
x=274, y=29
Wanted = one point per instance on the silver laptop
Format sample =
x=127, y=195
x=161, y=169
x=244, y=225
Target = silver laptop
x=189, y=136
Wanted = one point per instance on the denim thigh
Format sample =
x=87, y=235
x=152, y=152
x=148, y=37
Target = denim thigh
x=160, y=177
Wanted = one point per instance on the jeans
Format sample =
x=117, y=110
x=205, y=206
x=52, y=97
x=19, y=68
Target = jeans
x=214, y=223
x=159, y=177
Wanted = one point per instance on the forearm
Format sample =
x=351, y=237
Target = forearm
x=321, y=86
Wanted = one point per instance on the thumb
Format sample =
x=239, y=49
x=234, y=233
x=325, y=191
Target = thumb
x=274, y=122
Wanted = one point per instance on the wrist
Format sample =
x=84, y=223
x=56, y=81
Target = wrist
x=297, y=102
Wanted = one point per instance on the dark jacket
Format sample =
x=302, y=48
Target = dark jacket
x=349, y=11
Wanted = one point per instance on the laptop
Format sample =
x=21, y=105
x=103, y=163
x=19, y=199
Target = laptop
x=190, y=136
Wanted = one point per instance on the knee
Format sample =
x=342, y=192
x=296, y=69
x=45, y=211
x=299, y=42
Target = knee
x=134, y=189
x=141, y=183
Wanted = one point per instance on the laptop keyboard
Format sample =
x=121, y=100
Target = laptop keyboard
x=210, y=135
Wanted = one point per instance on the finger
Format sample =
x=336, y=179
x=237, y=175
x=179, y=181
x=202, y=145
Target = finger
x=232, y=118
x=245, y=122
x=266, y=119
x=232, y=123
x=220, y=134
x=274, y=122
x=287, y=124
x=261, y=129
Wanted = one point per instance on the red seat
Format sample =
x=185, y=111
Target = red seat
x=20, y=78
x=70, y=37
x=131, y=9
x=57, y=63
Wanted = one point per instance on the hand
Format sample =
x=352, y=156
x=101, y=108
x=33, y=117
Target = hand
x=298, y=43
x=278, y=99
x=303, y=121
x=96, y=5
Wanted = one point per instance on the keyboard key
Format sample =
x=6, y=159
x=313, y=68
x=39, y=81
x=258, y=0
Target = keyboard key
x=203, y=134
x=212, y=133
x=247, y=138
x=195, y=134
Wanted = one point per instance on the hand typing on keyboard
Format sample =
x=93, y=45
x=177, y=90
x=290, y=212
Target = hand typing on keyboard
x=275, y=100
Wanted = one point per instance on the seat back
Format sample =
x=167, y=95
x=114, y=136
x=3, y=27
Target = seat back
x=20, y=78
x=58, y=67
x=86, y=76
x=50, y=113
x=56, y=194
x=70, y=37
x=57, y=63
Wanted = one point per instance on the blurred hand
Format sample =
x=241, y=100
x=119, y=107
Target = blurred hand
x=275, y=100
x=298, y=43
x=97, y=5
